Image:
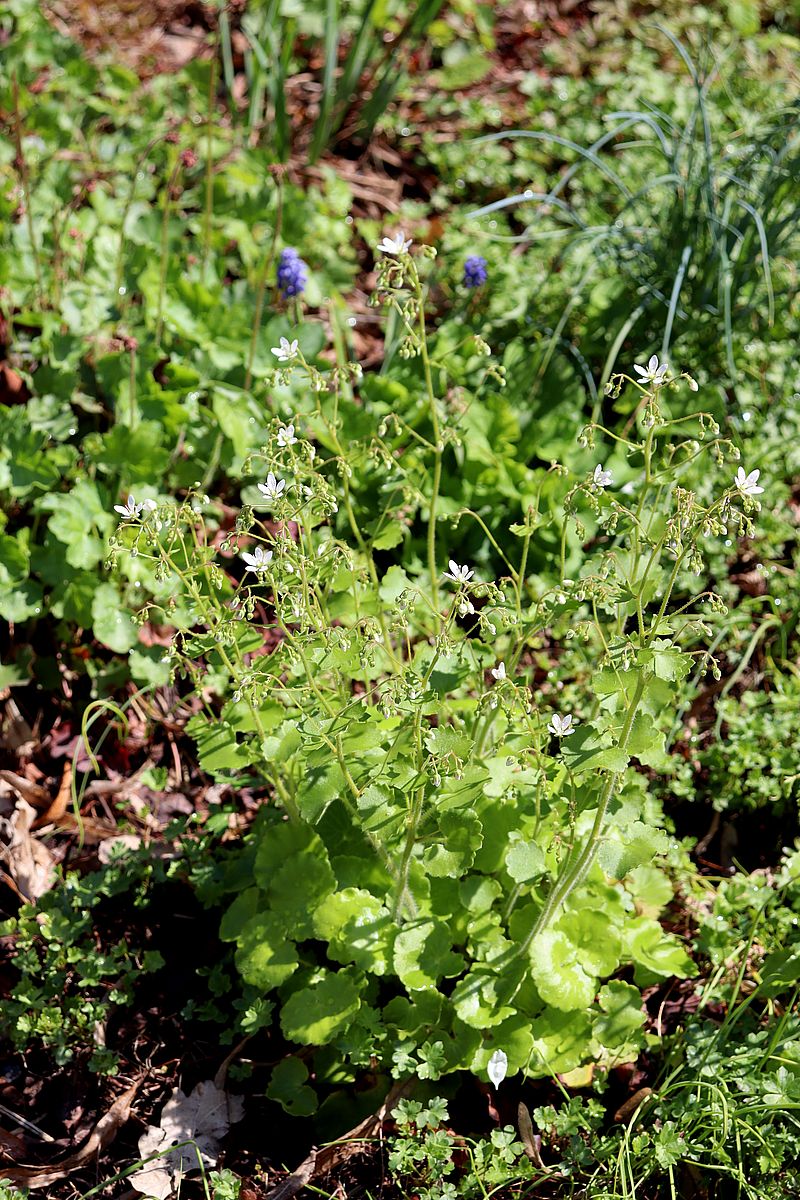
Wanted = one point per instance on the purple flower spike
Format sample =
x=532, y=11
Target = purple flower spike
x=292, y=273
x=475, y=272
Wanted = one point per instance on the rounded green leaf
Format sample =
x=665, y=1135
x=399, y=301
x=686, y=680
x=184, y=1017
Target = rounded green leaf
x=524, y=861
x=357, y=926
x=558, y=973
x=265, y=956
x=288, y=1086
x=316, y=1013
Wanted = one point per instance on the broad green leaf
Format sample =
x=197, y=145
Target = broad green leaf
x=666, y=660
x=587, y=750
x=524, y=861
x=558, y=972
x=423, y=954
x=357, y=927
x=313, y=1015
x=110, y=620
x=619, y=1027
x=461, y=834
x=265, y=956
x=218, y=747
x=657, y=954
x=288, y=1086
x=626, y=848
x=561, y=1041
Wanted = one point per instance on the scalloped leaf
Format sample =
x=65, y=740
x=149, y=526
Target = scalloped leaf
x=314, y=1014
x=559, y=973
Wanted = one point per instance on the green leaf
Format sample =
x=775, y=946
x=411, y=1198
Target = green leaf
x=14, y=560
x=264, y=956
x=657, y=954
x=561, y=1041
x=313, y=1015
x=357, y=927
x=137, y=455
x=666, y=661
x=288, y=1086
x=620, y=1025
x=478, y=998
x=393, y=584
x=80, y=521
x=423, y=954
x=587, y=750
x=218, y=748
x=110, y=621
x=293, y=869
x=460, y=836
x=524, y=861
x=646, y=742
x=624, y=849
x=596, y=939
x=558, y=972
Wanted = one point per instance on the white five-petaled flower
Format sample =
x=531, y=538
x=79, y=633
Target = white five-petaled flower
x=602, y=478
x=497, y=1068
x=286, y=351
x=748, y=484
x=498, y=672
x=258, y=561
x=398, y=244
x=129, y=509
x=654, y=372
x=562, y=726
x=286, y=437
x=458, y=574
x=273, y=488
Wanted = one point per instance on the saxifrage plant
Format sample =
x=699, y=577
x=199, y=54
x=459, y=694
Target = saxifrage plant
x=449, y=867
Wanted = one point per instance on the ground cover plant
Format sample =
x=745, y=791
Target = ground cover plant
x=398, y=570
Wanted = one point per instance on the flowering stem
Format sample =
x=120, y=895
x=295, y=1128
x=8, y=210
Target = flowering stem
x=162, y=280
x=209, y=196
x=575, y=874
x=261, y=285
x=22, y=167
x=437, y=442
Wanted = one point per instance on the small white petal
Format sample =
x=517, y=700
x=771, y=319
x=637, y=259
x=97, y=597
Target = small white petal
x=497, y=1068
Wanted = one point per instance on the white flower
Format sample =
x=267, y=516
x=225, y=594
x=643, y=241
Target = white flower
x=562, y=726
x=497, y=1068
x=129, y=509
x=602, y=478
x=748, y=484
x=272, y=489
x=498, y=672
x=466, y=608
x=399, y=244
x=286, y=351
x=653, y=372
x=286, y=437
x=458, y=574
x=258, y=561
x=149, y=505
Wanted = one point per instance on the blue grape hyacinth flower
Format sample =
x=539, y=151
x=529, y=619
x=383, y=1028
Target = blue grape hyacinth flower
x=475, y=272
x=292, y=273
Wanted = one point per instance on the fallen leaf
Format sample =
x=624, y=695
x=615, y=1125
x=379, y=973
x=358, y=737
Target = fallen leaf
x=188, y=1136
x=29, y=862
x=56, y=810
